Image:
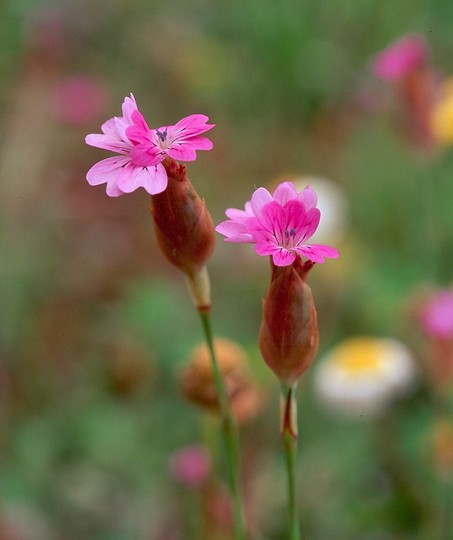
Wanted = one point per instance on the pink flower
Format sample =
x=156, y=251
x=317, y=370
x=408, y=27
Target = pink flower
x=400, y=58
x=142, y=150
x=437, y=315
x=191, y=465
x=278, y=224
x=79, y=98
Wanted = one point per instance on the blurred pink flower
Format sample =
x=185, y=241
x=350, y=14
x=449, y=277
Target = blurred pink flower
x=278, y=224
x=79, y=99
x=437, y=315
x=191, y=465
x=400, y=58
x=143, y=149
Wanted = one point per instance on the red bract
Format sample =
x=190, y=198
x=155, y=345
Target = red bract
x=289, y=336
x=183, y=224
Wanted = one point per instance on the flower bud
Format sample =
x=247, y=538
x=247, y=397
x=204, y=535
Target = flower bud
x=197, y=380
x=184, y=228
x=442, y=443
x=289, y=336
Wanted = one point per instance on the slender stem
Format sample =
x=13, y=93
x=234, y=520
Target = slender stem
x=447, y=510
x=289, y=436
x=229, y=430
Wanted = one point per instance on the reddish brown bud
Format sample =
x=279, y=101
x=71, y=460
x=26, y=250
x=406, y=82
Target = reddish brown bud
x=183, y=225
x=289, y=329
x=442, y=442
x=197, y=380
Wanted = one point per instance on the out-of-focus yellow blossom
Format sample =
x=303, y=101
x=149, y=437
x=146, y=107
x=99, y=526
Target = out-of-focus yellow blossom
x=442, y=115
x=362, y=375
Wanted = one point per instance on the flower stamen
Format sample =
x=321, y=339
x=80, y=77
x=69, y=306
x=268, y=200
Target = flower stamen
x=162, y=134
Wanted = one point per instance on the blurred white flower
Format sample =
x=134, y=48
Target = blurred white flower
x=333, y=204
x=361, y=376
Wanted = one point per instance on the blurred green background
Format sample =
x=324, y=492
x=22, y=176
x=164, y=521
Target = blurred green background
x=94, y=322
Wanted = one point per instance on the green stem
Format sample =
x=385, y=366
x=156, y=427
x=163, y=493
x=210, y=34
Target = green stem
x=289, y=438
x=229, y=430
x=447, y=510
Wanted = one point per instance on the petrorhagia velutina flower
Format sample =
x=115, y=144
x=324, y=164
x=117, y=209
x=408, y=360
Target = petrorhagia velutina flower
x=142, y=150
x=279, y=225
x=401, y=58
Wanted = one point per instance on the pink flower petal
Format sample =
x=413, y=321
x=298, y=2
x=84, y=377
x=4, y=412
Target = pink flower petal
x=200, y=143
x=260, y=198
x=123, y=122
x=145, y=155
x=106, y=170
x=234, y=231
x=285, y=192
x=266, y=248
x=182, y=152
x=158, y=179
x=283, y=257
x=235, y=213
x=153, y=179
x=308, y=198
x=184, y=149
x=304, y=223
x=113, y=190
x=192, y=125
x=128, y=108
x=280, y=257
x=317, y=252
x=107, y=143
x=139, y=131
x=109, y=129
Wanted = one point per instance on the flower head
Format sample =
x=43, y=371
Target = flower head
x=79, y=98
x=362, y=375
x=436, y=316
x=278, y=224
x=142, y=150
x=441, y=118
x=400, y=58
x=191, y=465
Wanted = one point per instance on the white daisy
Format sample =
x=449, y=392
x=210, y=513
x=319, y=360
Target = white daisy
x=361, y=376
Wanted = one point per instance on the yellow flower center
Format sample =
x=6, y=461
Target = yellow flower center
x=360, y=356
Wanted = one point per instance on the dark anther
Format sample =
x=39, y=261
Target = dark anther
x=162, y=134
